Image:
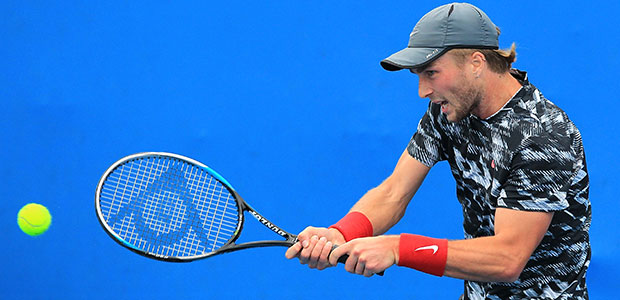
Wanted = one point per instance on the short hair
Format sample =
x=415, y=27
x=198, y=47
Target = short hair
x=500, y=61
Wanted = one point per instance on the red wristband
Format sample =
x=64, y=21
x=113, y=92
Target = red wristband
x=422, y=253
x=354, y=225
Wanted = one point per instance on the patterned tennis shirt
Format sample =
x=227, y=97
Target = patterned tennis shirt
x=529, y=157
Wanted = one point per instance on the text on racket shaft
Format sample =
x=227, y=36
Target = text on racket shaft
x=269, y=225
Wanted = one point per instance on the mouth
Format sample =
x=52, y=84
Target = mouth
x=443, y=104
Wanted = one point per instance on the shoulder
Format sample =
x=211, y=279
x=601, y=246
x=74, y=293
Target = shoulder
x=542, y=136
x=534, y=118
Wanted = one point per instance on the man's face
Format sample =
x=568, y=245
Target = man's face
x=445, y=83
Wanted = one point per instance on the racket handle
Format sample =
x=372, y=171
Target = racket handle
x=342, y=259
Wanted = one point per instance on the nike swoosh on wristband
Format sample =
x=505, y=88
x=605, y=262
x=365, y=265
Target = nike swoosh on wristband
x=431, y=247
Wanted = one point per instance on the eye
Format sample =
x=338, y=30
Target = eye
x=430, y=73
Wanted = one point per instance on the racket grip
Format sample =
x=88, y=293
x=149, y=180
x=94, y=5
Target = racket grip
x=342, y=259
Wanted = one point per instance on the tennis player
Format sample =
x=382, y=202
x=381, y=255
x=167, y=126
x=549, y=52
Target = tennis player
x=517, y=159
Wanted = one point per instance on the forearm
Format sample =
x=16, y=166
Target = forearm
x=385, y=205
x=382, y=207
x=503, y=256
x=484, y=259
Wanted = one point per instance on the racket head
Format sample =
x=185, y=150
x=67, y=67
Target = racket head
x=168, y=207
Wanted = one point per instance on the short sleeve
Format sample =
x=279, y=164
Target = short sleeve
x=540, y=177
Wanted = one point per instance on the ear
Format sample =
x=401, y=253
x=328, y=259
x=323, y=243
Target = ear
x=478, y=62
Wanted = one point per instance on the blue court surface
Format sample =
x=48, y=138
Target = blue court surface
x=287, y=100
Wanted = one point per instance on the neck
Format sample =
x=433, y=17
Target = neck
x=497, y=90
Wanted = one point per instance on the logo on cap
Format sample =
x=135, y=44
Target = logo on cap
x=432, y=53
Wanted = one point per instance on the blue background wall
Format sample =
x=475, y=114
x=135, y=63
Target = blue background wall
x=287, y=100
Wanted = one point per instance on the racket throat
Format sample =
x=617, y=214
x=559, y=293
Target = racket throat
x=268, y=224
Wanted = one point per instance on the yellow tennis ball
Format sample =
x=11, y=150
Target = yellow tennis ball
x=34, y=219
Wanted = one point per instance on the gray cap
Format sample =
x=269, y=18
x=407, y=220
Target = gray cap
x=456, y=25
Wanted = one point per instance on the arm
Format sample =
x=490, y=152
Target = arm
x=500, y=257
x=384, y=206
x=503, y=256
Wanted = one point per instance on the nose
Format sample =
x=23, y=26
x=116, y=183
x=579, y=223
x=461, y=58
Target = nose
x=424, y=90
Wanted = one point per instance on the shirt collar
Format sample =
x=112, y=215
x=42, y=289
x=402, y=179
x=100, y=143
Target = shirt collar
x=521, y=76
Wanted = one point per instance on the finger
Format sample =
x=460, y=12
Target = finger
x=316, y=252
x=306, y=252
x=303, y=258
x=306, y=234
x=334, y=255
x=360, y=267
x=368, y=273
x=293, y=251
x=340, y=251
x=323, y=259
x=351, y=264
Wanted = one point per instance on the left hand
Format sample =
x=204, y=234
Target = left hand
x=368, y=256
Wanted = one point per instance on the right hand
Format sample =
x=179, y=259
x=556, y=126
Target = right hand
x=314, y=246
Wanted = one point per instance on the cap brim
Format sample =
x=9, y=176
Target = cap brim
x=411, y=58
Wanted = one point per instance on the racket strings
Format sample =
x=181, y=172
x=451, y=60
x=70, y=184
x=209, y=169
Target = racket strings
x=168, y=207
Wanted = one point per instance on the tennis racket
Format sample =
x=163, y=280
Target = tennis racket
x=172, y=208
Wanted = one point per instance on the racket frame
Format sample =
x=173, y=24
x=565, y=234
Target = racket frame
x=229, y=246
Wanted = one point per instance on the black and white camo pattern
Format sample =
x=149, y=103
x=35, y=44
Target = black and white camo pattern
x=529, y=156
